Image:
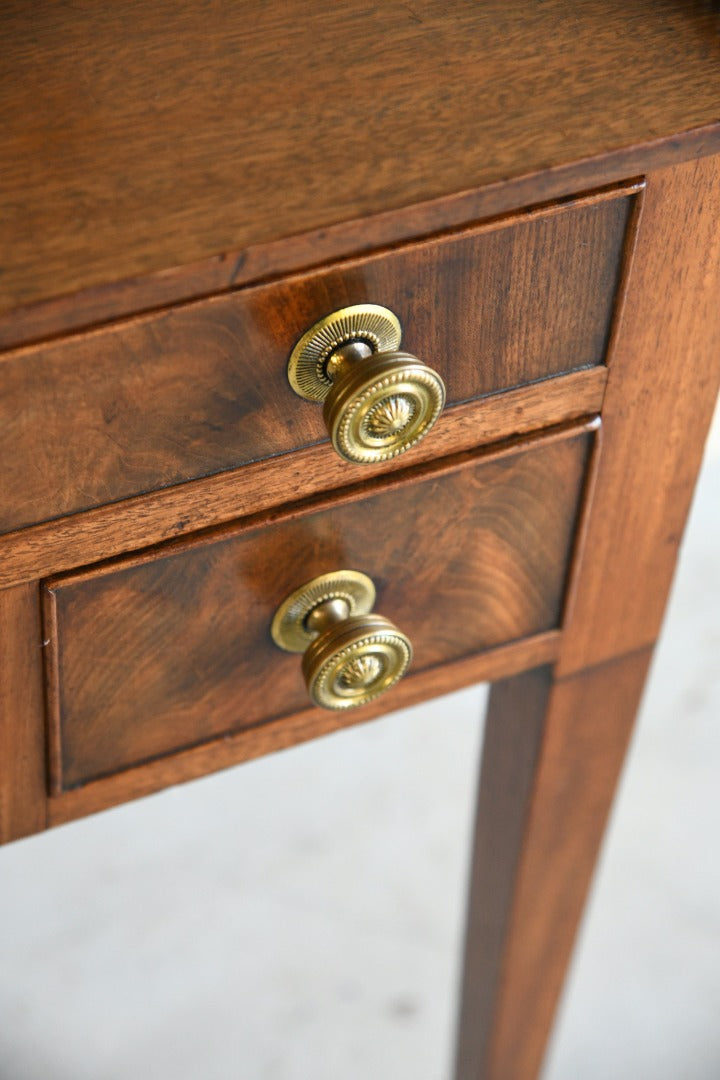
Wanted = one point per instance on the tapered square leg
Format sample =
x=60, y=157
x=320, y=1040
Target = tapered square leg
x=555, y=740
x=553, y=751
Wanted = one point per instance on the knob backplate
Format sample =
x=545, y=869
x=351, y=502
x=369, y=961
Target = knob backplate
x=289, y=629
x=372, y=324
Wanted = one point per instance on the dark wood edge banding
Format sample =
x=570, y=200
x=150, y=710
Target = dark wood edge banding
x=498, y=663
x=110, y=530
x=489, y=209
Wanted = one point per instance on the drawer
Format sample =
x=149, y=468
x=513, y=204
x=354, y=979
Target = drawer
x=155, y=653
x=202, y=388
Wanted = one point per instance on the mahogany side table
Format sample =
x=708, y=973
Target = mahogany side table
x=351, y=354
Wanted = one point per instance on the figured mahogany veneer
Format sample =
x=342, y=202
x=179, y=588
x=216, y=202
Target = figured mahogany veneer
x=307, y=474
x=201, y=389
x=155, y=654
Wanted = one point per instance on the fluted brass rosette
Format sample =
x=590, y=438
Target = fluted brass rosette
x=379, y=401
x=350, y=654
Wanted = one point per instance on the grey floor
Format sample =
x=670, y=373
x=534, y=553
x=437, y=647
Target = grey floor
x=299, y=918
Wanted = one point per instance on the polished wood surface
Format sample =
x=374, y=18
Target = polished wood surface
x=190, y=187
x=313, y=472
x=176, y=644
x=289, y=731
x=102, y=304
x=513, y=736
x=203, y=389
x=664, y=365
x=22, y=715
x=551, y=759
x=664, y=376
x=140, y=138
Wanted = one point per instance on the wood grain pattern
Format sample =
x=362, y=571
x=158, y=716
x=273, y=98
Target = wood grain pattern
x=498, y=663
x=664, y=364
x=552, y=756
x=664, y=374
x=203, y=389
x=137, y=139
x=22, y=715
x=104, y=303
x=136, y=523
x=151, y=155
x=513, y=736
x=153, y=656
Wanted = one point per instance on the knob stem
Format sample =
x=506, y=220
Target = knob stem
x=341, y=358
x=326, y=614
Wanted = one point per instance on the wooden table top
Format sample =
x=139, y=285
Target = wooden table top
x=140, y=137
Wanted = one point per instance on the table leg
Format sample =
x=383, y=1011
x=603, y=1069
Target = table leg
x=553, y=750
x=555, y=740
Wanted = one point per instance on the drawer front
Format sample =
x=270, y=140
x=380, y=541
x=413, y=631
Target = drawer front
x=201, y=389
x=153, y=654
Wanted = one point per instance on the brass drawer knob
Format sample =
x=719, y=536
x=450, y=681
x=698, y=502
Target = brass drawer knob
x=350, y=655
x=378, y=401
